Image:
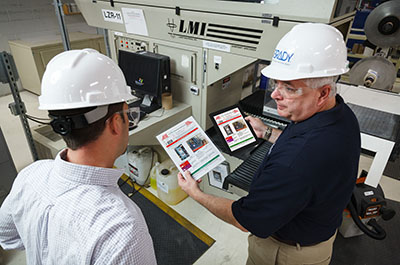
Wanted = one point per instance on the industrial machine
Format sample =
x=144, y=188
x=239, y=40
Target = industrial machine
x=382, y=29
x=209, y=42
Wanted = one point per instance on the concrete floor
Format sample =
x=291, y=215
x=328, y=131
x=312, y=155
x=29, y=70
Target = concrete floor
x=231, y=244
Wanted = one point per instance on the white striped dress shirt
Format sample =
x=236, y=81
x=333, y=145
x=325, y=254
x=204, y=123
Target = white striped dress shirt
x=64, y=213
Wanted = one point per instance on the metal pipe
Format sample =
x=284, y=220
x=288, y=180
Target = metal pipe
x=61, y=22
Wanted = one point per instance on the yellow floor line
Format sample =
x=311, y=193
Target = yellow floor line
x=171, y=212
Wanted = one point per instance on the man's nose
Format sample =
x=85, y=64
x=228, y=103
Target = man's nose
x=276, y=95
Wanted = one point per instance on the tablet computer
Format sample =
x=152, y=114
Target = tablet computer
x=233, y=128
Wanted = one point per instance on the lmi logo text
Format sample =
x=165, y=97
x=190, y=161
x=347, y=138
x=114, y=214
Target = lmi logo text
x=188, y=27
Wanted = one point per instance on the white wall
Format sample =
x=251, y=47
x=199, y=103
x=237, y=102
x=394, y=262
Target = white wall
x=21, y=19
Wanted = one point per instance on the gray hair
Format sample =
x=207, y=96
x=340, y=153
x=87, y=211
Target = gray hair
x=318, y=82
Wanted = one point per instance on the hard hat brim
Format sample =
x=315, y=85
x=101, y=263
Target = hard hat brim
x=278, y=73
x=76, y=105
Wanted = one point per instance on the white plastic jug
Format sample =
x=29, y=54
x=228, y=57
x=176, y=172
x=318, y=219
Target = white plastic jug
x=140, y=162
x=168, y=189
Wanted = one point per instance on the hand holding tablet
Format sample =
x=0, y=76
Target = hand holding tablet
x=232, y=126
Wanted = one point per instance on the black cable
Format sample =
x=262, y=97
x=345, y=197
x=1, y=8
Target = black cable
x=378, y=233
x=37, y=118
x=134, y=191
x=40, y=122
x=133, y=186
x=125, y=181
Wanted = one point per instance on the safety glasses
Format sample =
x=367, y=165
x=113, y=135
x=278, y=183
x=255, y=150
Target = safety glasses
x=284, y=89
x=133, y=114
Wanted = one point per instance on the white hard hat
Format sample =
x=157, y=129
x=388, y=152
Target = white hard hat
x=82, y=78
x=308, y=50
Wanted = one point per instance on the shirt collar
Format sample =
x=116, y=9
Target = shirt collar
x=319, y=120
x=86, y=174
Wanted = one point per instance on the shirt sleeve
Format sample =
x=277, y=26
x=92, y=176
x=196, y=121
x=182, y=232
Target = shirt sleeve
x=276, y=196
x=9, y=237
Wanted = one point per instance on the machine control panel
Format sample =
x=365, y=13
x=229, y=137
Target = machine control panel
x=131, y=44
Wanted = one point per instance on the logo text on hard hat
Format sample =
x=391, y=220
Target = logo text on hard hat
x=282, y=56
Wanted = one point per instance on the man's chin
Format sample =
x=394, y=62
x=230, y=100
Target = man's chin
x=283, y=114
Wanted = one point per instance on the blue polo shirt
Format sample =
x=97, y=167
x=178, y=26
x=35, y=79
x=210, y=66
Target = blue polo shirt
x=303, y=185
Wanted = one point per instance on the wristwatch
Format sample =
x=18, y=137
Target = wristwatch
x=267, y=133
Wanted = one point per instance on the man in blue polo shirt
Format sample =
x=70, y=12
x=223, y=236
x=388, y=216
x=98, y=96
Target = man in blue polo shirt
x=299, y=192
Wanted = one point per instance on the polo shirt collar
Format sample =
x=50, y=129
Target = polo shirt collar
x=83, y=174
x=318, y=120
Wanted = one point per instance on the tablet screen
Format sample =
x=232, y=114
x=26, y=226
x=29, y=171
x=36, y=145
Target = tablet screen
x=234, y=129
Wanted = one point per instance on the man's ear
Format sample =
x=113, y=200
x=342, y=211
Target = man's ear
x=114, y=124
x=324, y=93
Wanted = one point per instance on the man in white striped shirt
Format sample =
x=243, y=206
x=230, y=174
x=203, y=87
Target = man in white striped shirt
x=70, y=210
